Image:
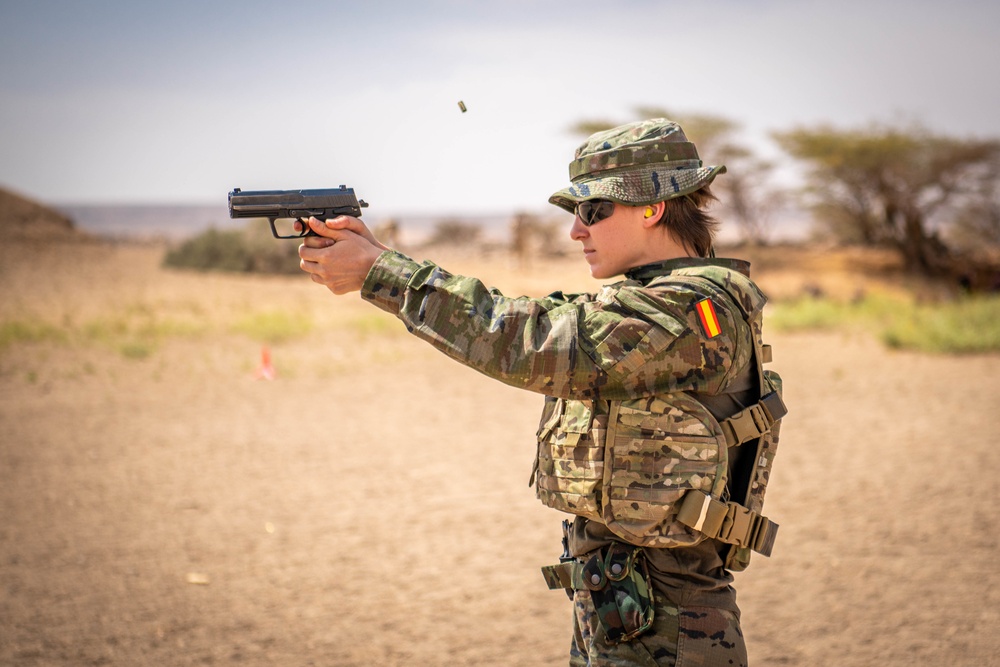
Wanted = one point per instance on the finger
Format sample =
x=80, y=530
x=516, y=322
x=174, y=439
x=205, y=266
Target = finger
x=309, y=266
x=309, y=254
x=317, y=241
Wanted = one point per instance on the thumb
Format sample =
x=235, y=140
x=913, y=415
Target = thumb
x=322, y=229
x=356, y=226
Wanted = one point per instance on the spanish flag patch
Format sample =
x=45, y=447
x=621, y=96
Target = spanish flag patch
x=709, y=320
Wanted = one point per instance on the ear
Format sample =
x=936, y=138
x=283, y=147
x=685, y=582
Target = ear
x=658, y=208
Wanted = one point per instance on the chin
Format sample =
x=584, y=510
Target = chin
x=601, y=269
x=602, y=274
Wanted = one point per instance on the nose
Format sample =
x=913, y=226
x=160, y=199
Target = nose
x=579, y=230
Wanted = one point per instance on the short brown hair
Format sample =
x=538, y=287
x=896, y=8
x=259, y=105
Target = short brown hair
x=689, y=223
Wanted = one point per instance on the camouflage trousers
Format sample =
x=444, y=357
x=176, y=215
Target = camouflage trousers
x=702, y=636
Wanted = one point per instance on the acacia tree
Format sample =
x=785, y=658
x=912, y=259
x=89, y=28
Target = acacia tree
x=977, y=223
x=744, y=189
x=891, y=186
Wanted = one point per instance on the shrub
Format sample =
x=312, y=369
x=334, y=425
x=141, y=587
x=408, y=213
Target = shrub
x=248, y=250
x=969, y=325
x=455, y=233
x=963, y=325
x=30, y=331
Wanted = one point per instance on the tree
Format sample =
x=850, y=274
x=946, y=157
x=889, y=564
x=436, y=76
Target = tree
x=891, y=186
x=977, y=222
x=744, y=189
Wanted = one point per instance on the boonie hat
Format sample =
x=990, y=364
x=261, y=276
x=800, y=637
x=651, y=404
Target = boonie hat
x=645, y=162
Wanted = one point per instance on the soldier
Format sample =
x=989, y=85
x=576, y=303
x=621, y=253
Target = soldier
x=659, y=424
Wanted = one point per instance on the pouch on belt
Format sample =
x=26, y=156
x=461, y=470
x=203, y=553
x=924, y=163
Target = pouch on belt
x=619, y=584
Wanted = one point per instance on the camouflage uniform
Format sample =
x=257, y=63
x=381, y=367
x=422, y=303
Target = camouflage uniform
x=704, y=636
x=628, y=341
x=640, y=379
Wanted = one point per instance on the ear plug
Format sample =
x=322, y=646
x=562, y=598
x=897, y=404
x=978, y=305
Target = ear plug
x=649, y=212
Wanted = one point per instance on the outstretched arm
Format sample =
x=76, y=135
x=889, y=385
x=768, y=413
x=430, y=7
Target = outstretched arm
x=617, y=346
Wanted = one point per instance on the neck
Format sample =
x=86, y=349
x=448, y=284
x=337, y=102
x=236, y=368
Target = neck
x=663, y=246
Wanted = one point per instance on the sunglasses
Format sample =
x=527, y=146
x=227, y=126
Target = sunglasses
x=593, y=211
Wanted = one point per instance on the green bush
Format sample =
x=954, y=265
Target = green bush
x=28, y=331
x=963, y=325
x=808, y=314
x=249, y=250
x=969, y=325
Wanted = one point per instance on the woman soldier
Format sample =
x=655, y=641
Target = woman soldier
x=659, y=424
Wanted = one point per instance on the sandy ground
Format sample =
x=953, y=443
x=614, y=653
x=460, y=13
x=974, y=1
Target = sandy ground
x=370, y=505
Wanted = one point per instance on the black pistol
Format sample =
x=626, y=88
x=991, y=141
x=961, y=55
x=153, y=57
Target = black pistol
x=322, y=204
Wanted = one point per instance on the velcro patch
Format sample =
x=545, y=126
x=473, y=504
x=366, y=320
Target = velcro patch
x=709, y=320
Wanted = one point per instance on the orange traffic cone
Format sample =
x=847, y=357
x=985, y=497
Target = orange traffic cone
x=266, y=370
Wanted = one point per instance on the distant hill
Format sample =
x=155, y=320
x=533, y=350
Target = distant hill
x=22, y=218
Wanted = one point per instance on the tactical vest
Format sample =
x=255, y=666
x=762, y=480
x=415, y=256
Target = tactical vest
x=655, y=469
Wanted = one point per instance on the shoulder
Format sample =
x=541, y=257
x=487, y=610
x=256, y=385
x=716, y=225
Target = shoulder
x=716, y=280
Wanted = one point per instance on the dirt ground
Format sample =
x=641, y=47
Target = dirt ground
x=370, y=506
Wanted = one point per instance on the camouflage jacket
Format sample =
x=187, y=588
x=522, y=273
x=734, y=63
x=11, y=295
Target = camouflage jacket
x=631, y=435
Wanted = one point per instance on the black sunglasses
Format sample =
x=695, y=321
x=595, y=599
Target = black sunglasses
x=593, y=211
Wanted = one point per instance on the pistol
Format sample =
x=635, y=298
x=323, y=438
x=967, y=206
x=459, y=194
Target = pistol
x=275, y=205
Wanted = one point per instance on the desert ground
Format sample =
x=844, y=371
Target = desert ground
x=162, y=505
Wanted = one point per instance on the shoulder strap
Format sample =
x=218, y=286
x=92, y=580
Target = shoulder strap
x=727, y=521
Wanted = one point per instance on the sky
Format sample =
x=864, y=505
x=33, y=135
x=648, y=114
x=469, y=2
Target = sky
x=113, y=101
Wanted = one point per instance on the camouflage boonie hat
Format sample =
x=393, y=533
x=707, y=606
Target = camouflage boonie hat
x=639, y=163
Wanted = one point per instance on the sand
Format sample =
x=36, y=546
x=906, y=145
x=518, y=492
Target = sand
x=370, y=506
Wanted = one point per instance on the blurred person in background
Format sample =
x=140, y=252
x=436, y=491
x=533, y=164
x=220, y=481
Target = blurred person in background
x=659, y=424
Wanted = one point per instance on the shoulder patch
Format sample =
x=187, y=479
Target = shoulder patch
x=709, y=320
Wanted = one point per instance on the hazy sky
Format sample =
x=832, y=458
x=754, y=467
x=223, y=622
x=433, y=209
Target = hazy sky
x=180, y=101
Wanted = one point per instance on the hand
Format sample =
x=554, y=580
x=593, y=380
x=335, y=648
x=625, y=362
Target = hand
x=341, y=256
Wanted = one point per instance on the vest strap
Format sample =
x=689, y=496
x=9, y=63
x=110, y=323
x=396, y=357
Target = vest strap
x=728, y=522
x=753, y=422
